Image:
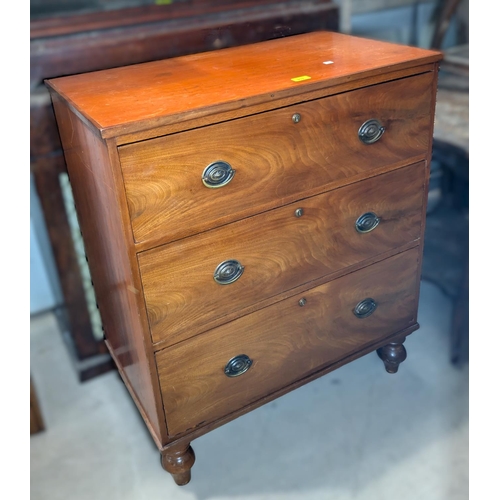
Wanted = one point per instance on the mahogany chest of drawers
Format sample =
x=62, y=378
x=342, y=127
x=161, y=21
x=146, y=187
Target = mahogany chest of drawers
x=253, y=218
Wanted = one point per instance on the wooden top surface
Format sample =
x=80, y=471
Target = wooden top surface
x=141, y=96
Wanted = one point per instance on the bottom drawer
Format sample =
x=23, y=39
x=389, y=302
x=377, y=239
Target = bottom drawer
x=285, y=342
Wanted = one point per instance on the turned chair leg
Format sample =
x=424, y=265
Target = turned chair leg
x=178, y=460
x=392, y=355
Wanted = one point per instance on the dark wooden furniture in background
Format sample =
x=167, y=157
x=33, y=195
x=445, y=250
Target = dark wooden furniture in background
x=247, y=241
x=446, y=256
x=81, y=42
x=446, y=253
x=36, y=420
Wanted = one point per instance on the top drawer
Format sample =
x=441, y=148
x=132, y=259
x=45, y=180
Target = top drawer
x=274, y=160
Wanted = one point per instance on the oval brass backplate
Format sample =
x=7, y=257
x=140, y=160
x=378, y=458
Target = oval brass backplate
x=367, y=222
x=228, y=272
x=371, y=131
x=217, y=174
x=365, y=308
x=238, y=365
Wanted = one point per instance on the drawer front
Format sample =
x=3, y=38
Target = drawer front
x=269, y=159
x=278, y=251
x=285, y=342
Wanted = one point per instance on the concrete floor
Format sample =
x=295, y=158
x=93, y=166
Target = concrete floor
x=357, y=433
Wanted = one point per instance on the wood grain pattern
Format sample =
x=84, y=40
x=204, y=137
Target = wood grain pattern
x=156, y=233
x=276, y=161
x=73, y=44
x=195, y=121
x=191, y=434
x=285, y=341
x=142, y=96
x=279, y=252
x=96, y=191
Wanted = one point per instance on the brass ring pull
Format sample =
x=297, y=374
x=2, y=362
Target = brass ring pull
x=238, y=365
x=364, y=308
x=217, y=174
x=367, y=222
x=228, y=272
x=371, y=131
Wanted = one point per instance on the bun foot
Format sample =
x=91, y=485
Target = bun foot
x=392, y=355
x=183, y=478
x=178, y=460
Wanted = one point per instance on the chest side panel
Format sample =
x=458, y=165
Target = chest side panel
x=111, y=260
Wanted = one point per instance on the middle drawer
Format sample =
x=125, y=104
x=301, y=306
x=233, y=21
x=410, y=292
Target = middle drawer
x=277, y=251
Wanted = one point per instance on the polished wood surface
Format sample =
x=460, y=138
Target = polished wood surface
x=292, y=311
x=72, y=44
x=285, y=342
x=178, y=460
x=133, y=98
x=189, y=122
x=96, y=188
x=192, y=434
x=392, y=354
x=182, y=298
x=276, y=160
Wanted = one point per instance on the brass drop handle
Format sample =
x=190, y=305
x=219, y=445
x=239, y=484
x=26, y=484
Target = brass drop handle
x=228, y=272
x=217, y=174
x=367, y=222
x=365, y=308
x=371, y=131
x=238, y=365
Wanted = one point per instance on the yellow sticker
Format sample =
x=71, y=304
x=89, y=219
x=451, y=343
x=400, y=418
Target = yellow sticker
x=301, y=78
